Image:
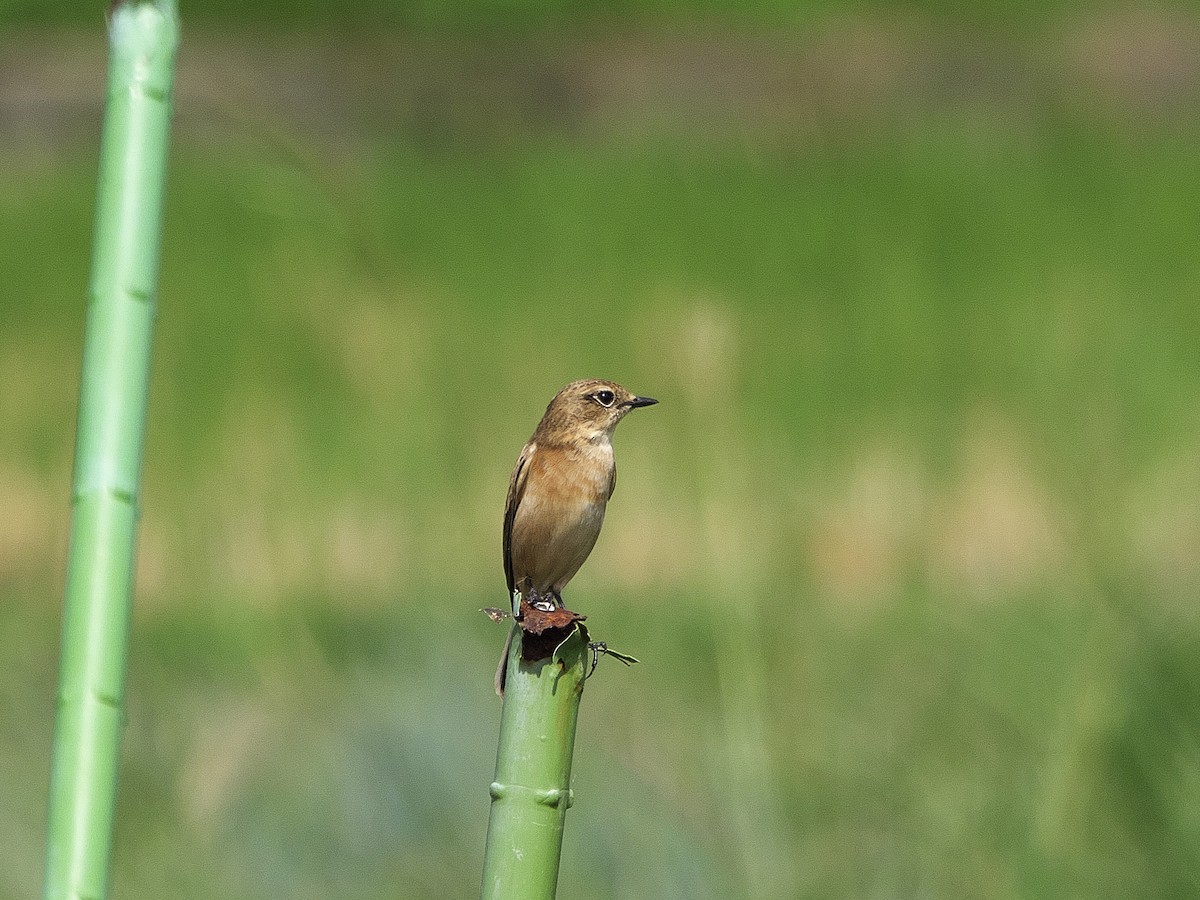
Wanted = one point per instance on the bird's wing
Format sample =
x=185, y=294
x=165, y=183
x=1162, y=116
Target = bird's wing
x=612, y=480
x=516, y=490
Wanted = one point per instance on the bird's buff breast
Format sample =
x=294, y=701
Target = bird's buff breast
x=560, y=514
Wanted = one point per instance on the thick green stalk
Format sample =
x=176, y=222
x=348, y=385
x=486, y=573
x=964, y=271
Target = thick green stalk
x=532, y=789
x=112, y=411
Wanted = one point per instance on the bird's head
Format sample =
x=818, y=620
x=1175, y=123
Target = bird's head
x=587, y=410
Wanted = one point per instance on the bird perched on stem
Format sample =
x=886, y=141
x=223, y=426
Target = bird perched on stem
x=559, y=489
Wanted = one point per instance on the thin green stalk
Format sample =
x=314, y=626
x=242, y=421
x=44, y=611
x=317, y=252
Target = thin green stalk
x=532, y=789
x=112, y=409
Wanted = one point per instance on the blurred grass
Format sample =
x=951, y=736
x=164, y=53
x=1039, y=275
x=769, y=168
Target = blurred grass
x=908, y=549
x=497, y=16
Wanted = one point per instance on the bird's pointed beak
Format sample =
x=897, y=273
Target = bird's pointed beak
x=641, y=401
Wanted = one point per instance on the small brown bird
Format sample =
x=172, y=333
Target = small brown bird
x=558, y=493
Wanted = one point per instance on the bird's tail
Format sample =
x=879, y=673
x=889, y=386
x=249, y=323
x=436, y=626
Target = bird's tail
x=502, y=669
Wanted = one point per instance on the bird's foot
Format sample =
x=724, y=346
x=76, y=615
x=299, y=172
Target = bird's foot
x=548, y=603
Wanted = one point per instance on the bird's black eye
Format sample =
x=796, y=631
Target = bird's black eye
x=604, y=398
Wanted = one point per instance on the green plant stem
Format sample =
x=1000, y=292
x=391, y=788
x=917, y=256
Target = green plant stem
x=532, y=789
x=112, y=408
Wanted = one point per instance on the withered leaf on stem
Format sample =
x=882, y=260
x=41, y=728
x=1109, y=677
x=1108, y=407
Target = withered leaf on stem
x=542, y=631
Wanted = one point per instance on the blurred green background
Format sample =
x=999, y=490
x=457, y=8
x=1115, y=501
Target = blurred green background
x=910, y=550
